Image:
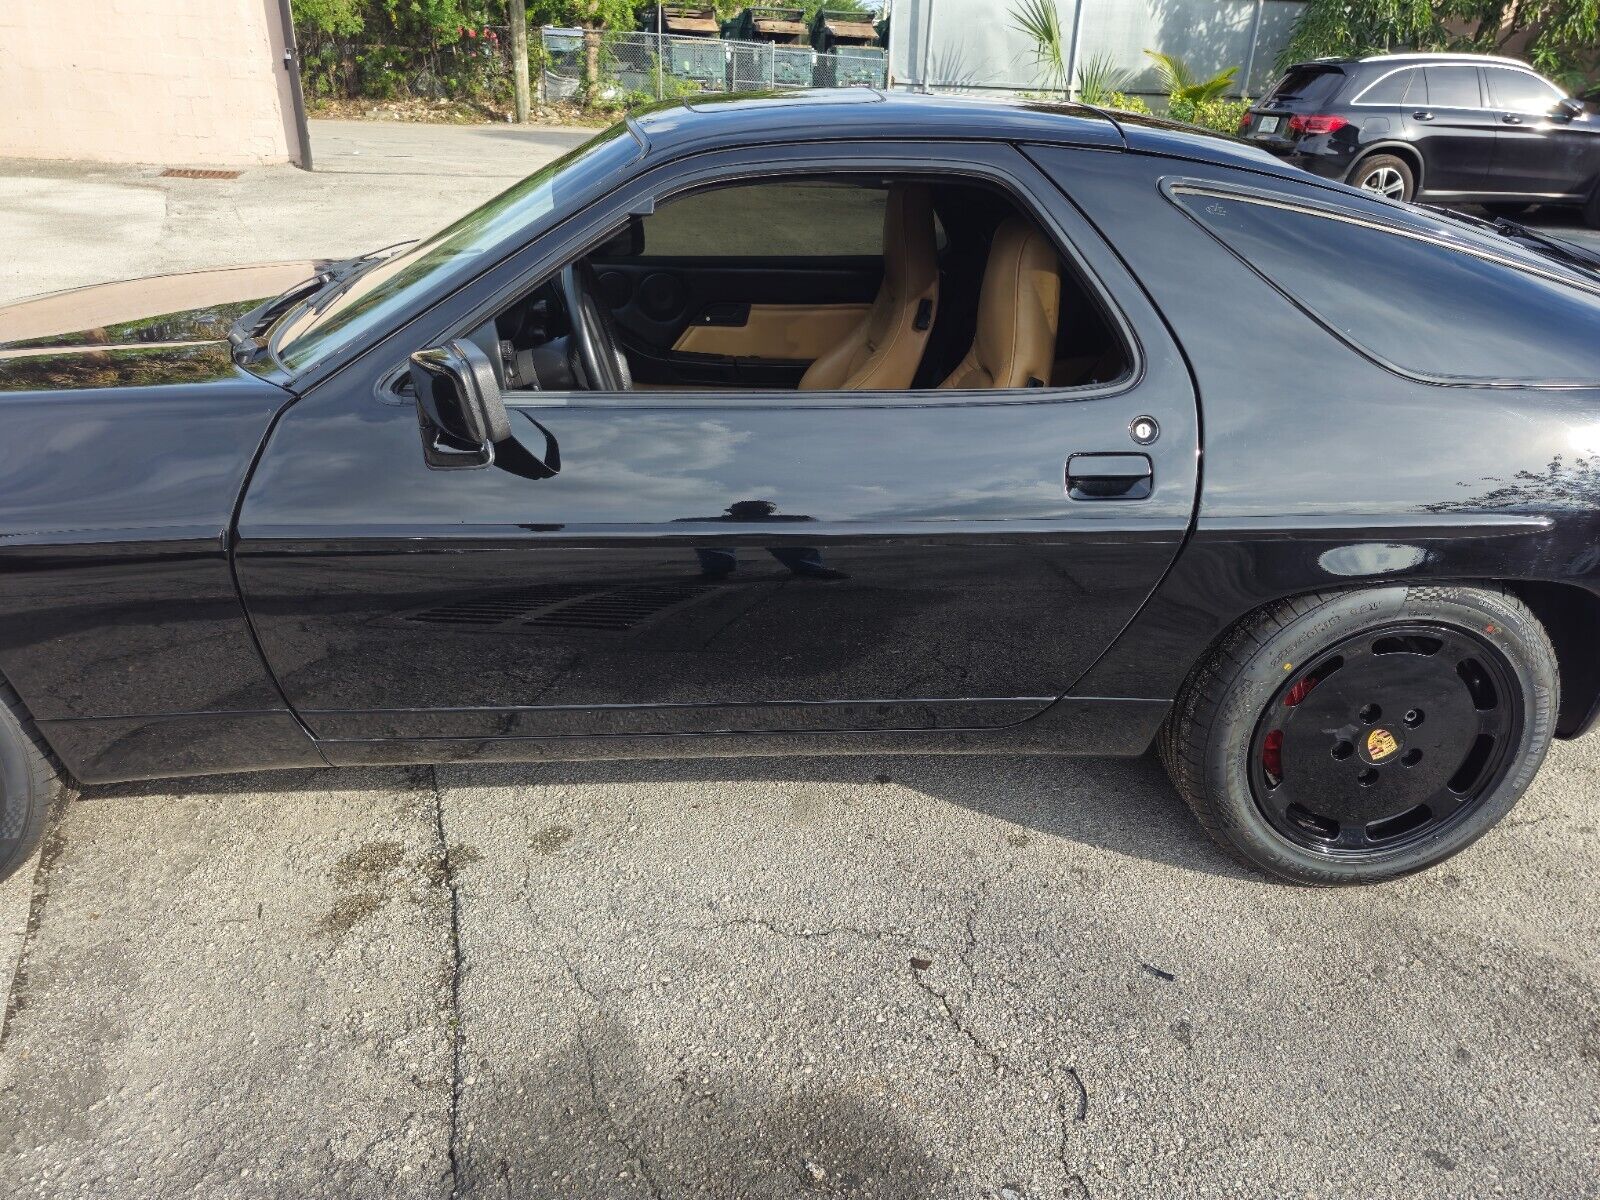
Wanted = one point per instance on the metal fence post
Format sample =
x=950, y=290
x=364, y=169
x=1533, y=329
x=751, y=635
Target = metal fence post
x=1073, y=45
x=1255, y=40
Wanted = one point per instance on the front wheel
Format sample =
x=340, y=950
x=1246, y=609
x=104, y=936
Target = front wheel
x=1352, y=737
x=1385, y=174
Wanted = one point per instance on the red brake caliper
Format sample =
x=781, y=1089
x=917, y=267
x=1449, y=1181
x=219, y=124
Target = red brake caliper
x=1272, y=747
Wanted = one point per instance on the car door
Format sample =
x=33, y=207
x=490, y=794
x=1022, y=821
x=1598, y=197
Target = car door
x=1453, y=130
x=1539, y=150
x=963, y=557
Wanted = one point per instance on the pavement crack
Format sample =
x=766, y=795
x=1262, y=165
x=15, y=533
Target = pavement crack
x=1070, y=1113
x=958, y=1022
x=592, y=1077
x=448, y=879
x=805, y=934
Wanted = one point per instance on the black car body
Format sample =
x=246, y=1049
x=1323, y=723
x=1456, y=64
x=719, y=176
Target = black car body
x=289, y=550
x=1464, y=129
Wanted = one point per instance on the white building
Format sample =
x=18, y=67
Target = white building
x=974, y=45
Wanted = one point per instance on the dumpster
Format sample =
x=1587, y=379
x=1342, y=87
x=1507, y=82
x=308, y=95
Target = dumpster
x=849, y=52
x=782, y=55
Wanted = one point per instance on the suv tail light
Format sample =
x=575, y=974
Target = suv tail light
x=1244, y=119
x=1318, y=123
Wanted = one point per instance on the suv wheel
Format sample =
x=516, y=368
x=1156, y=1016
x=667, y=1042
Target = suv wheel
x=1386, y=175
x=1351, y=737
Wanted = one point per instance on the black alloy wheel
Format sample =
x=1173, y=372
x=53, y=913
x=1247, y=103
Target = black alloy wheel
x=1385, y=739
x=1355, y=736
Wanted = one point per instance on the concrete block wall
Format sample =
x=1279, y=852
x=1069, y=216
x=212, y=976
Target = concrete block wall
x=173, y=82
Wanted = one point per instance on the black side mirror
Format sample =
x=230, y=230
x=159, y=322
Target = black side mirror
x=464, y=420
x=458, y=406
x=1567, y=108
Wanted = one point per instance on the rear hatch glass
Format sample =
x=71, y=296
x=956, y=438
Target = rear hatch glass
x=1305, y=87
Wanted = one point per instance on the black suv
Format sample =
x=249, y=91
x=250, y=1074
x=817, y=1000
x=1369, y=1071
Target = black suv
x=1454, y=128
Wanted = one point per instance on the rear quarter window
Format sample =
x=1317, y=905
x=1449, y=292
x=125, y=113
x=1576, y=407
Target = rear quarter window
x=1397, y=87
x=1313, y=85
x=1418, y=307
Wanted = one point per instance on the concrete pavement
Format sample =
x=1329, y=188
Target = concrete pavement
x=886, y=977
x=71, y=224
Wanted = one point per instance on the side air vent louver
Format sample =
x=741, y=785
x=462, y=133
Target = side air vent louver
x=572, y=607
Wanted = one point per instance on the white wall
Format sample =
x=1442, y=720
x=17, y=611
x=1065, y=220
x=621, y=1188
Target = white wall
x=157, y=81
x=972, y=44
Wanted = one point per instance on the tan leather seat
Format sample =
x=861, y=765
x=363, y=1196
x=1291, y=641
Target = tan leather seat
x=883, y=352
x=1018, y=311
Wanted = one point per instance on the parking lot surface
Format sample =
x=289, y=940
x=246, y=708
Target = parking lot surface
x=853, y=976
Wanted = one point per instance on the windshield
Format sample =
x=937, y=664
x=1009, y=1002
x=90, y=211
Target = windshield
x=327, y=322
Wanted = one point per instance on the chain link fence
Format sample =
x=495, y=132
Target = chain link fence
x=632, y=67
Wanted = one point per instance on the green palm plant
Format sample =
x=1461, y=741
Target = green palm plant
x=1184, y=89
x=1099, y=79
x=1039, y=21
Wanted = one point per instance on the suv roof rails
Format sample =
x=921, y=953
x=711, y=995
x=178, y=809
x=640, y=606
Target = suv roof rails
x=1442, y=56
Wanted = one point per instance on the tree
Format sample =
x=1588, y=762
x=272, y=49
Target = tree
x=1562, y=35
x=334, y=18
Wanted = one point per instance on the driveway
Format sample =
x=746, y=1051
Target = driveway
x=853, y=976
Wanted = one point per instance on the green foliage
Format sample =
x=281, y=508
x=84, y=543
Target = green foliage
x=1565, y=34
x=336, y=18
x=1183, y=87
x=1040, y=23
x=1122, y=102
x=1217, y=114
x=1356, y=27
x=1099, y=78
x=615, y=15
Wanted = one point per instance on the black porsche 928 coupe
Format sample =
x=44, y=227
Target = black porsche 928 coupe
x=834, y=422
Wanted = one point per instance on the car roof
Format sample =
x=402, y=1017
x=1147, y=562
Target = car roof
x=850, y=114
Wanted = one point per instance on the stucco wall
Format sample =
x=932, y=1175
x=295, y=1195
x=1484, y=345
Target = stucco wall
x=157, y=81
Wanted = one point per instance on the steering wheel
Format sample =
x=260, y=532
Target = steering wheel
x=598, y=359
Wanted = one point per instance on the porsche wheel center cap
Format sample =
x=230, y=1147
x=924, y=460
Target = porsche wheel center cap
x=1379, y=746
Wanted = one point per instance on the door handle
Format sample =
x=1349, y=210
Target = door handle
x=1422, y=114
x=1510, y=119
x=725, y=314
x=1109, y=476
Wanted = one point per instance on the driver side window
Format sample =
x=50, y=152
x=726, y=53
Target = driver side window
x=824, y=285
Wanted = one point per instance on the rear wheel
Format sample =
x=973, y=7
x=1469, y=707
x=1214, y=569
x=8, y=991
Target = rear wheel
x=1353, y=737
x=29, y=782
x=1385, y=174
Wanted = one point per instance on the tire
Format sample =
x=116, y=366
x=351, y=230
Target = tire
x=1507, y=208
x=1388, y=174
x=1387, y=797
x=30, y=782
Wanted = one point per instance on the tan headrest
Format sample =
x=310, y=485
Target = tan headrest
x=1018, y=312
x=910, y=254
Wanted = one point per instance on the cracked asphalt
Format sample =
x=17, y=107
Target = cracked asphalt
x=857, y=976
